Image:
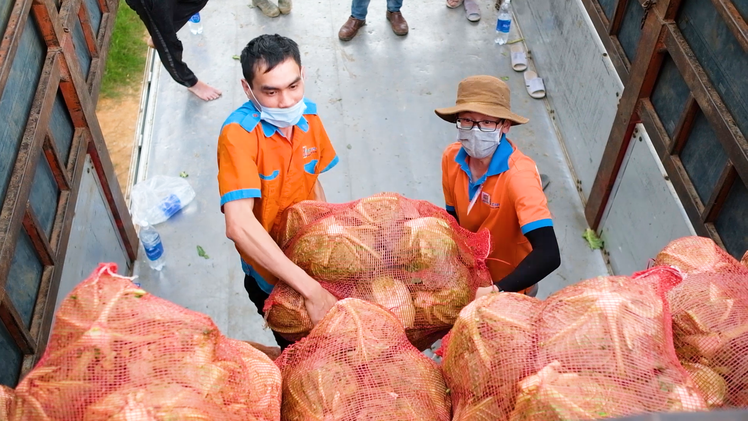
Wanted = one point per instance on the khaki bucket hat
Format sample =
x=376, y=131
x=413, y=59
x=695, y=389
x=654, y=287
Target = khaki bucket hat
x=482, y=94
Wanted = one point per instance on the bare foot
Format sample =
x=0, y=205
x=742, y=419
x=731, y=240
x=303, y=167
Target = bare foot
x=205, y=91
x=149, y=41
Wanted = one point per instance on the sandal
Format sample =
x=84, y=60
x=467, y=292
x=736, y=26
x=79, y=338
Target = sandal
x=519, y=58
x=472, y=10
x=534, y=84
x=268, y=9
x=453, y=4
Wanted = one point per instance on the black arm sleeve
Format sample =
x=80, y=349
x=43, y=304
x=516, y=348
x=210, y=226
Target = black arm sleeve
x=454, y=214
x=542, y=260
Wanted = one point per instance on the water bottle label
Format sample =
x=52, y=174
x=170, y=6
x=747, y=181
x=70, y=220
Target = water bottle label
x=195, y=18
x=155, y=251
x=170, y=205
x=503, y=25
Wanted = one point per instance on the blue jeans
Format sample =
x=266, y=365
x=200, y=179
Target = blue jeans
x=359, y=7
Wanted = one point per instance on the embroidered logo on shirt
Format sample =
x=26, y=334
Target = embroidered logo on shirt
x=309, y=151
x=486, y=199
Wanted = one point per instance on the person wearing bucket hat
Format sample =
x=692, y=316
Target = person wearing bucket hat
x=490, y=184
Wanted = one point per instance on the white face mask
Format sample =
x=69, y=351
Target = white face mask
x=280, y=117
x=479, y=144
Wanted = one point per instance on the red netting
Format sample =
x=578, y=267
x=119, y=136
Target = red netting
x=600, y=348
x=7, y=395
x=696, y=255
x=409, y=256
x=357, y=364
x=744, y=260
x=119, y=353
x=710, y=320
x=486, y=355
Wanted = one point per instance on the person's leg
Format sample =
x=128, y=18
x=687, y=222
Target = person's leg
x=355, y=21
x=397, y=21
x=158, y=17
x=258, y=297
x=185, y=9
x=394, y=5
x=359, y=9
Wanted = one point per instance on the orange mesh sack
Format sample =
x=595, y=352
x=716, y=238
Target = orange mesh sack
x=119, y=353
x=409, y=256
x=487, y=354
x=696, y=255
x=604, y=349
x=710, y=328
x=357, y=364
x=7, y=395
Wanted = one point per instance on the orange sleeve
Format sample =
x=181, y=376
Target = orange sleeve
x=328, y=158
x=238, y=177
x=447, y=181
x=529, y=200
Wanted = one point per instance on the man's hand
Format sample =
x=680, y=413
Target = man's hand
x=482, y=292
x=318, y=303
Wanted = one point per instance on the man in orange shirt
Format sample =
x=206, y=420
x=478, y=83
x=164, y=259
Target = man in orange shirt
x=270, y=152
x=488, y=183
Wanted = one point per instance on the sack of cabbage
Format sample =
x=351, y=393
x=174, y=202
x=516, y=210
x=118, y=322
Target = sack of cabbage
x=409, y=256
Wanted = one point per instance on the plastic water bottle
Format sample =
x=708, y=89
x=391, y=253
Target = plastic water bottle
x=196, y=27
x=504, y=23
x=154, y=249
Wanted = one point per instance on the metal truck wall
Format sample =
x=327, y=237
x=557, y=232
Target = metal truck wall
x=649, y=101
x=52, y=56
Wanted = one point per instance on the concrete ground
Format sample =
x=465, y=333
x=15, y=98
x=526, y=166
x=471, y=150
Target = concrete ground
x=376, y=95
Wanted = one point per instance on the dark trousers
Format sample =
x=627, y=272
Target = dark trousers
x=258, y=297
x=163, y=18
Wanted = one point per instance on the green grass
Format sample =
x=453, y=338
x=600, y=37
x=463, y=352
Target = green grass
x=126, y=60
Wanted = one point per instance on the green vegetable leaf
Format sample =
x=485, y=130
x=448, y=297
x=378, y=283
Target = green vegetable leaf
x=504, y=78
x=235, y=57
x=201, y=252
x=184, y=174
x=593, y=240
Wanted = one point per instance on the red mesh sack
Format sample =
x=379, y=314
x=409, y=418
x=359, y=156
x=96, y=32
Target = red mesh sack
x=744, y=260
x=605, y=350
x=697, y=255
x=117, y=352
x=357, y=364
x=710, y=328
x=486, y=354
x=7, y=395
x=409, y=256
x=601, y=348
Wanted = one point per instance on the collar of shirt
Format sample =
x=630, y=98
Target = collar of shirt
x=251, y=117
x=499, y=164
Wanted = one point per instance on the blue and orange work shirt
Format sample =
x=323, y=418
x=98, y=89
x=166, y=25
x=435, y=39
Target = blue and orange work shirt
x=256, y=161
x=508, y=201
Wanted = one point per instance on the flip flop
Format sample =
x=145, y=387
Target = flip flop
x=453, y=4
x=519, y=58
x=472, y=10
x=534, y=84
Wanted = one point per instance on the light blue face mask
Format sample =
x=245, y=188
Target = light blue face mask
x=281, y=117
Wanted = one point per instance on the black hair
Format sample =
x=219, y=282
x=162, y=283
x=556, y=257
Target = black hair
x=270, y=50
